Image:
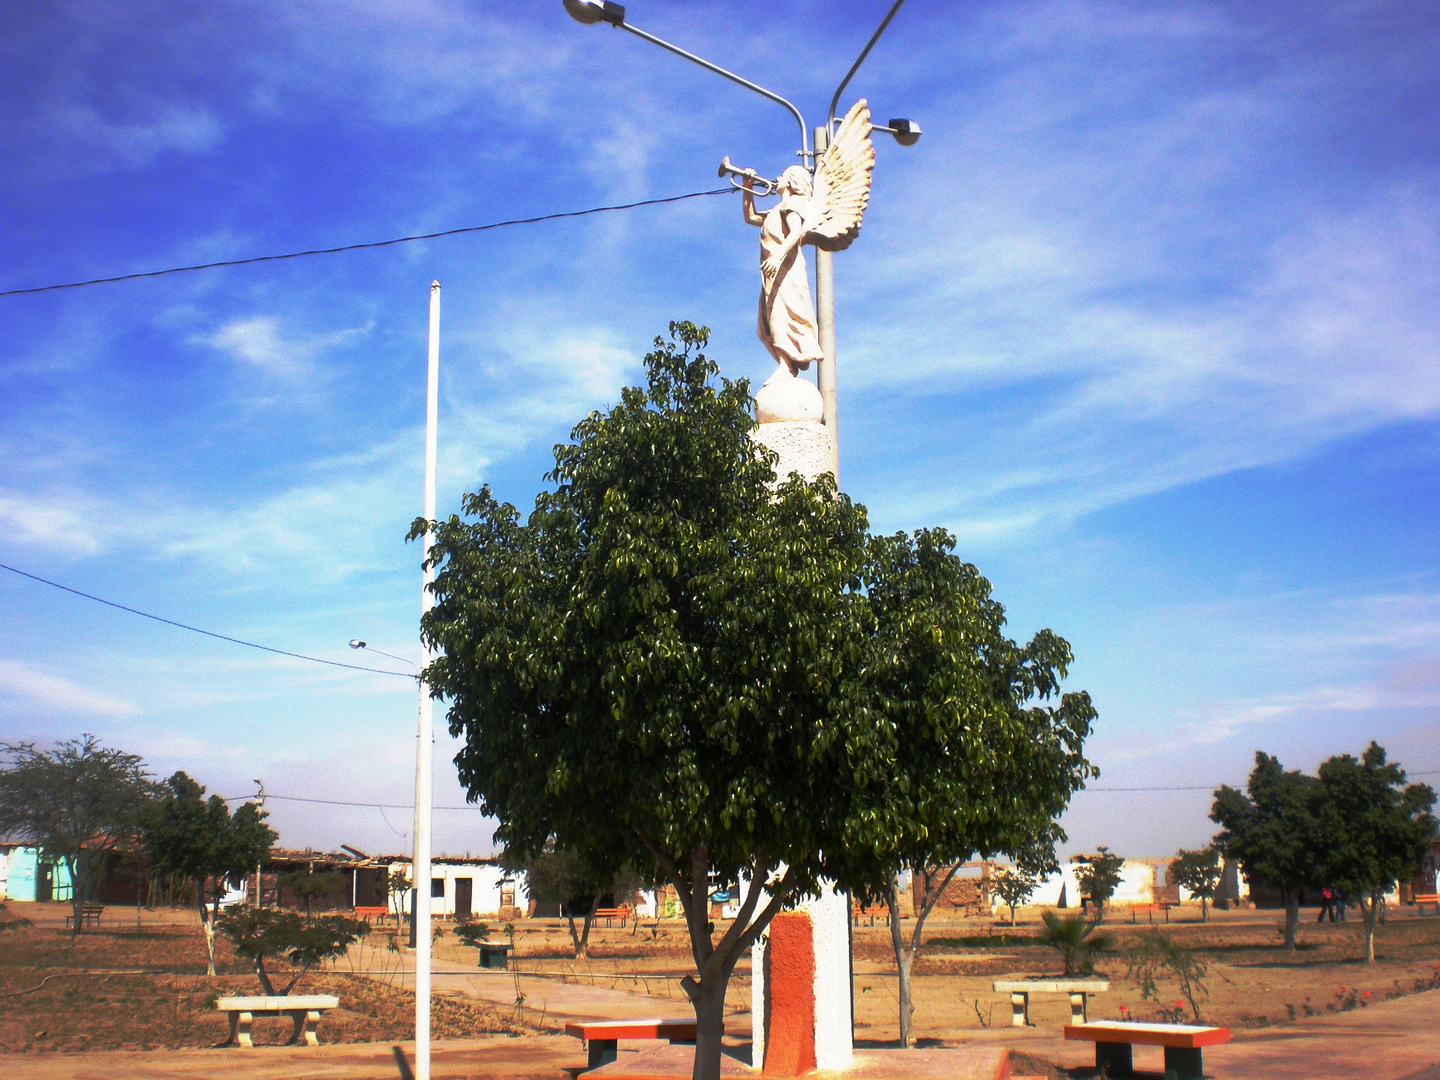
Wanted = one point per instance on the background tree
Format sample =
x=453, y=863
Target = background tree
x=74, y=803
x=978, y=761
x=202, y=841
x=1099, y=877
x=1278, y=830
x=1076, y=939
x=310, y=886
x=567, y=878
x=1385, y=828
x=1014, y=885
x=666, y=662
x=1198, y=872
x=1157, y=955
x=261, y=934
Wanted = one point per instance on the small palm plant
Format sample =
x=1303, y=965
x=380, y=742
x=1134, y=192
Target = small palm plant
x=1076, y=940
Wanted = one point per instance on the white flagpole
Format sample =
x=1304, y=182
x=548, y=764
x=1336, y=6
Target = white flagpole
x=425, y=748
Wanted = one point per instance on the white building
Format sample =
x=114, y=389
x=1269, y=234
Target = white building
x=461, y=888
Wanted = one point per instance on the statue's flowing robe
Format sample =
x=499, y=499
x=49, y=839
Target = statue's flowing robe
x=787, y=314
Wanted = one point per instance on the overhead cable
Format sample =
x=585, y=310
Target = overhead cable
x=197, y=630
x=369, y=244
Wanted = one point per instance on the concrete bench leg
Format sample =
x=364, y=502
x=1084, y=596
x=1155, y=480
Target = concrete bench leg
x=1114, y=1059
x=1079, y=1012
x=1184, y=1063
x=305, y=1023
x=1019, y=1008
x=243, y=1021
x=603, y=1051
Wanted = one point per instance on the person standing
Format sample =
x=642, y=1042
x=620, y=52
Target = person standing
x=1327, y=904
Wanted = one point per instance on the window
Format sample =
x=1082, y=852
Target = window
x=437, y=888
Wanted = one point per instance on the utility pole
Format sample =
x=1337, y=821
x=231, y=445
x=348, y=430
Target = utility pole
x=425, y=743
x=259, y=896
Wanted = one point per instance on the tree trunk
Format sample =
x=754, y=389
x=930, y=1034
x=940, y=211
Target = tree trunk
x=584, y=949
x=76, y=899
x=1204, y=910
x=1369, y=912
x=264, y=977
x=903, y=958
x=709, y=1001
x=1292, y=916
x=208, y=926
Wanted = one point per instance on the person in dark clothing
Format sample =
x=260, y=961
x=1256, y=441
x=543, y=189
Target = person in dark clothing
x=1339, y=904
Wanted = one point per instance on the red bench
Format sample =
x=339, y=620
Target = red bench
x=1424, y=900
x=1182, y=1042
x=602, y=1036
x=1150, y=910
x=607, y=913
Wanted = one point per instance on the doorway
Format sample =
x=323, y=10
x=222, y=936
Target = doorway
x=464, y=890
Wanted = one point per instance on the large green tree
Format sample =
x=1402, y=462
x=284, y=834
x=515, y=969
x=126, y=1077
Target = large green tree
x=1384, y=828
x=674, y=662
x=76, y=803
x=659, y=664
x=983, y=751
x=1279, y=831
x=192, y=837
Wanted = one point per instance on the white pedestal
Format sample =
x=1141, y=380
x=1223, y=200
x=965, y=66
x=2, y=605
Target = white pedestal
x=800, y=989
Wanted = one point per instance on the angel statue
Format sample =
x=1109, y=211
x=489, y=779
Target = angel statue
x=825, y=212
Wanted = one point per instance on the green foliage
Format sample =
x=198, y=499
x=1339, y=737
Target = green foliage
x=261, y=934
x=1157, y=955
x=1076, y=939
x=186, y=835
x=472, y=933
x=677, y=663
x=1384, y=828
x=74, y=803
x=1099, y=877
x=1198, y=872
x=310, y=886
x=1013, y=885
x=1279, y=831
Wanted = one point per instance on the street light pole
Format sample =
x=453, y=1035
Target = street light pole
x=425, y=748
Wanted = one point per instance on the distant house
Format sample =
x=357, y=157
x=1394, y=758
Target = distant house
x=25, y=876
x=464, y=887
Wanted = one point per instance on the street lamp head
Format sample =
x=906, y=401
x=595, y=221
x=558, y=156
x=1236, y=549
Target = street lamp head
x=356, y=643
x=906, y=132
x=591, y=12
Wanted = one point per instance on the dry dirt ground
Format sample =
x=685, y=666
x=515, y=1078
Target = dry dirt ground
x=1252, y=983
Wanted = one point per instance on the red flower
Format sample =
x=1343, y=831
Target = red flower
x=1367, y=993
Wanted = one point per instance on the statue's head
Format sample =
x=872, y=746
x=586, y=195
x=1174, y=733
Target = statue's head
x=795, y=180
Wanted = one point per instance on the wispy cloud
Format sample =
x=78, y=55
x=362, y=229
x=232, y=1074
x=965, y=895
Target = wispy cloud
x=28, y=685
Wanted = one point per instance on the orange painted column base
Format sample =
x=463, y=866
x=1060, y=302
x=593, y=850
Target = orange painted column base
x=790, y=996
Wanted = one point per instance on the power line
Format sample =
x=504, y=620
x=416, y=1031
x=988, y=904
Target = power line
x=197, y=630
x=370, y=244
x=1212, y=787
x=343, y=802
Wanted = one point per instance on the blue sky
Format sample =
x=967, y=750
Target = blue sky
x=1148, y=318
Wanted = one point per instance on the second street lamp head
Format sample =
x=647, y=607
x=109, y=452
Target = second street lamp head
x=356, y=643
x=906, y=132
x=591, y=12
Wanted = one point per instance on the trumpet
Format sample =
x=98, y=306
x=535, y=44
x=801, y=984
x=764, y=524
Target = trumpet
x=747, y=174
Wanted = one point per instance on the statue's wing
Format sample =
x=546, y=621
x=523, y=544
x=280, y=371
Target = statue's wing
x=842, y=183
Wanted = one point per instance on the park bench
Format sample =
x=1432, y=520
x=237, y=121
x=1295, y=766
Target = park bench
x=607, y=913
x=872, y=912
x=1150, y=910
x=494, y=954
x=89, y=916
x=304, y=1009
x=602, y=1036
x=1423, y=900
x=378, y=912
x=1021, y=989
x=1113, y=1040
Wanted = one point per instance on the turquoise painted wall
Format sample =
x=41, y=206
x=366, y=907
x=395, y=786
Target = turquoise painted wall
x=23, y=870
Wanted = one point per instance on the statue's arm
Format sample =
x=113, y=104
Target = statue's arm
x=794, y=235
x=747, y=206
